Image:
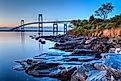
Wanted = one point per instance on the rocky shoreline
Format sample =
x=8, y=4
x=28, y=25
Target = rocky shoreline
x=89, y=59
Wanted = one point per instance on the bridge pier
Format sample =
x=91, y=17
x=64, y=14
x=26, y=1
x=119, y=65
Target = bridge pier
x=22, y=32
x=65, y=28
x=55, y=28
x=22, y=27
x=40, y=24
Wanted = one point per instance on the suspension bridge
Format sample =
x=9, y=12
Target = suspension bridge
x=40, y=23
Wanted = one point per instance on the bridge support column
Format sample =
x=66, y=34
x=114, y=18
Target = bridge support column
x=22, y=27
x=65, y=28
x=40, y=25
x=22, y=32
x=55, y=28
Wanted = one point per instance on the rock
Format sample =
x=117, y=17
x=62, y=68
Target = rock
x=62, y=40
x=115, y=50
x=118, y=50
x=83, y=52
x=112, y=60
x=66, y=46
x=70, y=58
x=100, y=47
x=64, y=75
x=34, y=70
x=91, y=40
x=80, y=38
x=110, y=73
x=40, y=66
x=87, y=46
x=29, y=61
x=18, y=68
x=77, y=77
x=98, y=76
x=37, y=38
x=80, y=74
x=109, y=69
x=30, y=36
x=71, y=42
x=87, y=60
x=40, y=40
x=112, y=50
x=43, y=42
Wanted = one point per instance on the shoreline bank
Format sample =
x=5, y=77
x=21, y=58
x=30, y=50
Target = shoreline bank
x=87, y=55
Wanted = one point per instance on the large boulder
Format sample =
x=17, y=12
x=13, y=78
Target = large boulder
x=64, y=74
x=107, y=69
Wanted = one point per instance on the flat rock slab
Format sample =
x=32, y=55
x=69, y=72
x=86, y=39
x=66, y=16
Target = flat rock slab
x=84, y=52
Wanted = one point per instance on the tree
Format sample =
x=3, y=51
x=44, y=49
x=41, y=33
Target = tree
x=91, y=18
x=76, y=22
x=104, y=10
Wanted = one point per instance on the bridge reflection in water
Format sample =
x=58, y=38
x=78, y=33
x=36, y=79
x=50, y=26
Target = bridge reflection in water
x=40, y=25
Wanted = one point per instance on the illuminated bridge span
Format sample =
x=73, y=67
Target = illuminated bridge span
x=40, y=23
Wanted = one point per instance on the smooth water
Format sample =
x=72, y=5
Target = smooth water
x=17, y=46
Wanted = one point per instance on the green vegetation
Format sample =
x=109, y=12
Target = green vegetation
x=104, y=10
x=96, y=24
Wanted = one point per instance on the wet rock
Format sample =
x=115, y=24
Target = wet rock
x=77, y=76
x=40, y=40
x=112, y=60
x=115, y=50
x=34, y=70
x=70, y=58
x=86, y=55
x=110, y=74
x=108, y=69
x=18, y=68
x=40, y=66
x=64, y=75
x=80, y=38
x=101, y=47
x=29, y=61
x=86, y=46
x=98, y=76
x=83, y=52
x=118, y=50
x=65, y=46
x=43, y=42
x=81, y=73
x=37, y=38
x=112, y=50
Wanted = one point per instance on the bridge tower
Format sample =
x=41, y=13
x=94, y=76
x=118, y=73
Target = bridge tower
x=55, y=28
x=65, y=28
x=22, y=27
x=40, y=25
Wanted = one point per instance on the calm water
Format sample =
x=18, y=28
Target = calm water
x=13, y=47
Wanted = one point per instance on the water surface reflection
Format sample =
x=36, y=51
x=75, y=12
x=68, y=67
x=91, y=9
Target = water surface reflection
x=17, y=46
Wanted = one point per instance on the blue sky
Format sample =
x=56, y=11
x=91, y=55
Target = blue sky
x=12, y=11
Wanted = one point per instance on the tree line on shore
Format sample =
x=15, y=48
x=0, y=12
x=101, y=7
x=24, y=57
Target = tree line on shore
x=98, y=21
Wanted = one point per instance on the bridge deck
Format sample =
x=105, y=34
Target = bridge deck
x=40, y=22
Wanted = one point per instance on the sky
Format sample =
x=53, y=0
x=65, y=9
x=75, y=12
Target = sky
x=12, y=11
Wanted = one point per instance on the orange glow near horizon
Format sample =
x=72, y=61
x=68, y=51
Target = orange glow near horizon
x=8, y=24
